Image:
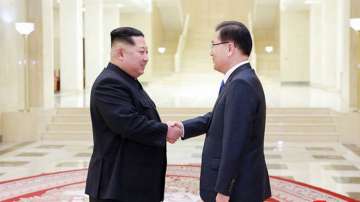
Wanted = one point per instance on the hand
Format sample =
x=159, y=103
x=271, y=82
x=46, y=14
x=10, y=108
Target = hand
x=178, y=124
x=173, y=133
x=222, y=198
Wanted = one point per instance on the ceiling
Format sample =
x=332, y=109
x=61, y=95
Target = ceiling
x=124, y=5
x=171, y=13
x=129, y=5
x=266, y=12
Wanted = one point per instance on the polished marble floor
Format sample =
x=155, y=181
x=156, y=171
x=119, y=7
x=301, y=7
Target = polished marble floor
x=201, y=89
x=332, y=166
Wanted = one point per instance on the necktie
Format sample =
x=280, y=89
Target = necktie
x=221, y=86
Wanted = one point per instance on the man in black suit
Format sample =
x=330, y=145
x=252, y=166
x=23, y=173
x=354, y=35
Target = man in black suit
x=233, y=164
x=128, y=163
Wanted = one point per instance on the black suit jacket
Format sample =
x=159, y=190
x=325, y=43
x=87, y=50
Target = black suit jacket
x=233, y=161
x=129, y=157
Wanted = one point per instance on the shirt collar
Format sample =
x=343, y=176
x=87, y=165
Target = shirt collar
x=232, y=69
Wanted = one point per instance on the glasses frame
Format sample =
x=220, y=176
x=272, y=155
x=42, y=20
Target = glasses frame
x=215, y=44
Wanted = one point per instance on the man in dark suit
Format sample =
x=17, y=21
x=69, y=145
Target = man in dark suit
x=128, y=163
x=233, y=164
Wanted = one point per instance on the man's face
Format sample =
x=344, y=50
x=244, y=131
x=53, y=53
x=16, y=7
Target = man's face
x=136, y=56
x=218, y=52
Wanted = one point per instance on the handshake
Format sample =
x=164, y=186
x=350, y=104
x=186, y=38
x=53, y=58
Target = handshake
x=175, y=130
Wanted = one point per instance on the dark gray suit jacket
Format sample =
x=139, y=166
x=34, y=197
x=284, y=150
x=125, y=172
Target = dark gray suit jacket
x=233, y=161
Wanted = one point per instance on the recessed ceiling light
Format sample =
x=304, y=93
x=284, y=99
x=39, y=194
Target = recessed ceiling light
x=279, y=145
x=311, y=2
x=269, y=49
x=119, y=5
x=161, y=50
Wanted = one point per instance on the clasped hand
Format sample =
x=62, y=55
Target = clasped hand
x=175, y=131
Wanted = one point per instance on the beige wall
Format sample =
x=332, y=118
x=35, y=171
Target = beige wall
x=355, y=13
x=358, y=72
x=1, y=127
x=294, y=46
x=348, y=127
x=159, y=62
x=267, y=63
x=355, y=56
x=205, y=14
x=163, y=64
x=151, y=25
x=354, y=70
x=34, y=121
x=358, y=89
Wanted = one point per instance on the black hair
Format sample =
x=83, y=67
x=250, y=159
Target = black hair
x=124, y=34
x=238, y=33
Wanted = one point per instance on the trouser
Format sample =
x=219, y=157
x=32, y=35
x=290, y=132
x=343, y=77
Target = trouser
x=92, y=199
x=102, y=200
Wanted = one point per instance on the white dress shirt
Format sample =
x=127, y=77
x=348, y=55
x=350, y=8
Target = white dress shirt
x=232, y=69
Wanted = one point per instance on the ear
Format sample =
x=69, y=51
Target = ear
x=120, y=53
x=231, y=49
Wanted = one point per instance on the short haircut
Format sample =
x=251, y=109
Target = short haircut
x=124, y=34
x=238, y=33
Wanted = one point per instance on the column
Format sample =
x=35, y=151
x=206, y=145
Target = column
x=48, y=56
x=329, y=43
x=315, y=45
x=41, y=54
x=71, y=45
x=12, y=56
x=93, y=40
x=347, y=73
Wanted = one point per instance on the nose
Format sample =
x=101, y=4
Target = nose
x=146, y=57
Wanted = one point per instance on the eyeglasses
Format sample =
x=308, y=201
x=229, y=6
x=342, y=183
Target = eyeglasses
x=215, y=44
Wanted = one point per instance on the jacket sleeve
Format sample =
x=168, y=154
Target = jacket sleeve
x=240, y=110
x=114, y=103
x=197, y=126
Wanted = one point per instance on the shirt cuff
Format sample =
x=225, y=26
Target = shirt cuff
x=182, y=130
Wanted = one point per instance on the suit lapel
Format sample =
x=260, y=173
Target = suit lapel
x=220, y=95
x=149, y=101
x=237, y=71
x=136, y=85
